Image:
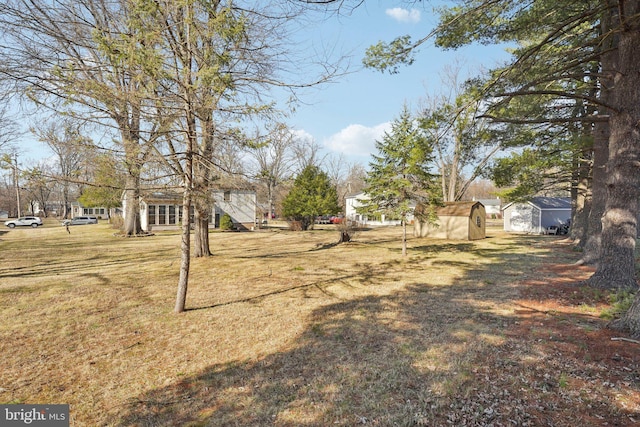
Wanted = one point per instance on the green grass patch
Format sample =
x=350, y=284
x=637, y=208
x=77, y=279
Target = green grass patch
x=619, y=304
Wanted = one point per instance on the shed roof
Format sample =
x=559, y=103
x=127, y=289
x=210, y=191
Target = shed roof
x=547, y=203
x=456, y=208
x=552, y=202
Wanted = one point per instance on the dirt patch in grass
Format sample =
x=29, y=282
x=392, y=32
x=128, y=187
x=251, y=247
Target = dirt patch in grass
x=560, y=365
x=288, y=329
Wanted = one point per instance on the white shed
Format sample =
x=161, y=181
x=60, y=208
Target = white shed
x=535, y=215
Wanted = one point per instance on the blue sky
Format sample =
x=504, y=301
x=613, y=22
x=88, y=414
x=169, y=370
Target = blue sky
x=348, y=115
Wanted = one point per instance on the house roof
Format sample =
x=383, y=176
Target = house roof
x=360, y=195
x=456, y=208
x=490, y=202
x=162, y=195
x=176, y=195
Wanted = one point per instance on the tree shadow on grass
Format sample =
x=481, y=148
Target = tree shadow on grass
x=425, y=355
x=77, y=264
x=355, y=364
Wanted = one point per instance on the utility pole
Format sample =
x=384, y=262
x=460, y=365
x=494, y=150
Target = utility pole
x=16, y=182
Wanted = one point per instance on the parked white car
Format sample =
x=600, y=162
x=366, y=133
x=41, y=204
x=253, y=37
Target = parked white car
x=24, y=221
x=80, y=220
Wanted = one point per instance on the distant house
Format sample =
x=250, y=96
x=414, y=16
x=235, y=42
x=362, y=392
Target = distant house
x=456, y=221
x=4, y=214
x=56, y=208
x=240, y=205
x=164, y=209
x=535, y=215
x=353, y=202
x=50, y=208
x=77, y=209
x=493, y=207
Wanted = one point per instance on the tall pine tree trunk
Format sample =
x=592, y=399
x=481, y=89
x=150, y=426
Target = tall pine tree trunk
x=598, y=199
x=601, y=134
x=580, y=197
x=616, y=267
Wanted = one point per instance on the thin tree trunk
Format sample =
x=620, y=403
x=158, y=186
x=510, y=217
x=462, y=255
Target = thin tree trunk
x=453, y=182
x=191, y=135
x=443, y=181
x=404, y=236
x=65, y=197
x=185, y=250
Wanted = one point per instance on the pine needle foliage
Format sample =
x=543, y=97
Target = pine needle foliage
x=400, y=173
x=312, y=195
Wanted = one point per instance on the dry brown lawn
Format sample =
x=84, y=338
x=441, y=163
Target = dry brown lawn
x=289, y=329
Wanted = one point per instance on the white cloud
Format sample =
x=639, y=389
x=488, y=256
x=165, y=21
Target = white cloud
x=302, y=135
x=356, y=140
x=403, y=15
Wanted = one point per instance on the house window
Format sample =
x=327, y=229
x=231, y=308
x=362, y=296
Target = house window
x=162, y=214
x=227, y=196
x=478, y=221
x=152, y=214
x=172, y=214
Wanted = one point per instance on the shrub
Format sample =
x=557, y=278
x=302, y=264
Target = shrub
x=226, y=223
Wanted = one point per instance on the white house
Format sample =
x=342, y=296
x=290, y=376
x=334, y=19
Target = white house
x=535, y=215
x=163, y=209
x=241, y=205
x=77, y=209
x=351, y=214
x=493, y=207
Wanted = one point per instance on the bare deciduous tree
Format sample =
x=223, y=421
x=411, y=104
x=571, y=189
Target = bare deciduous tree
x=69, y=146
x=89, y=58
